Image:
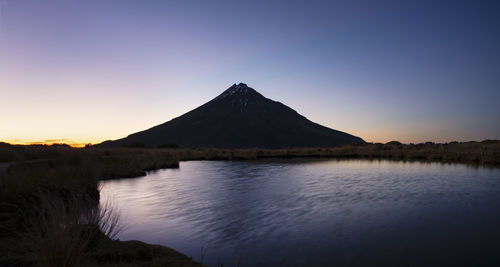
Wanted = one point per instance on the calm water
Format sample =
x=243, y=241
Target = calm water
x=316, y=213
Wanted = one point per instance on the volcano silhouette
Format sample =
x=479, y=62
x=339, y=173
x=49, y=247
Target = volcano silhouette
x=240, y=117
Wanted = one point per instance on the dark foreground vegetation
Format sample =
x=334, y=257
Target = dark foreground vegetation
x=49, y=213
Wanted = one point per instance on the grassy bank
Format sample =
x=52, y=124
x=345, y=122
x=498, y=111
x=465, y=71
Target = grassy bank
x=486, y=153
x=49, y=212
x=132, y=162
x=49, y=195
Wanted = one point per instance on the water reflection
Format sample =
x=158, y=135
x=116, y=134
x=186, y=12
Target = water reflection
x=315, y=213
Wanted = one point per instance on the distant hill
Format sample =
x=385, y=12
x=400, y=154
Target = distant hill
x=240, y=117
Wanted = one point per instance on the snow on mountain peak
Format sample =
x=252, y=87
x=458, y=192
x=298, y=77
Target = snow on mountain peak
x=234, y=89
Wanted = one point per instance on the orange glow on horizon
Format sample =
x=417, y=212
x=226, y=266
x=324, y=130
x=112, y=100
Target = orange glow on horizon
x=49, y=142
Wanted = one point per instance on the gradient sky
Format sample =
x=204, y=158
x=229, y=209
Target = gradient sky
x=88, y=71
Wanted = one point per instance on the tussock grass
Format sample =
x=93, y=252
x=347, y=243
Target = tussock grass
x=49, y=213
x=49, y=208
x=485, y=153
x=66, y=230
x=132, y=162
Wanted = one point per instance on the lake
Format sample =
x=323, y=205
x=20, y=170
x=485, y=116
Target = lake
x=315, y=212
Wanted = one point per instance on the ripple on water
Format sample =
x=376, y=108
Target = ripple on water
x=324, y=212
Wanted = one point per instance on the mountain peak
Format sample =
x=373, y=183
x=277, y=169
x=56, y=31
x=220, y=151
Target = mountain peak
x=241, y=85
x=237, y=89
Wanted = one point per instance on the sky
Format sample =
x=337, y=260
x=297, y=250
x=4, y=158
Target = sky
x=88, y=71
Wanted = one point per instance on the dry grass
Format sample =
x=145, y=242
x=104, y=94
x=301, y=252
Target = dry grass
x=66, y=230
x=107, y=163
x=475, y=153
x=49, y=213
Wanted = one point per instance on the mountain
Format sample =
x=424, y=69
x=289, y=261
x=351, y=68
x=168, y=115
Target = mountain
x=240, y=117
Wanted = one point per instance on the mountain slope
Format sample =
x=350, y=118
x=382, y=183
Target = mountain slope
x=240, y=117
